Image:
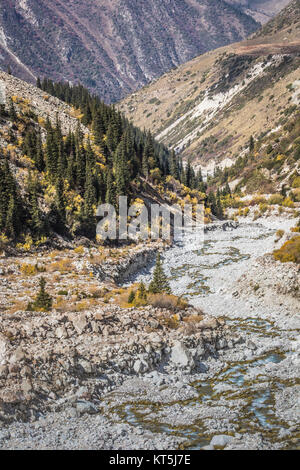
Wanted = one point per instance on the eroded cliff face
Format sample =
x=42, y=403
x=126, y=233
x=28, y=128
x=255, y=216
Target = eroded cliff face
x=113, y=47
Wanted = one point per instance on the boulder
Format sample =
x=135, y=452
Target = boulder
x=79, y=323
x=180, y=355
x=3, y=348
x=86, y=407
x=220, y=441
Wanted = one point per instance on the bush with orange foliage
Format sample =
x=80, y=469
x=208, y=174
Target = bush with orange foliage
x=289, y=252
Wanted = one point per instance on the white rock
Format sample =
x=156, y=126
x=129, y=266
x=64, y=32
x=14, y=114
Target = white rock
x=220, y=441
x=180, y=355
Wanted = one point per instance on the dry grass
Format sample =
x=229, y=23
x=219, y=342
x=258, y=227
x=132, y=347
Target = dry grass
x=158, y=105
x=169, y=302
x=63, y=266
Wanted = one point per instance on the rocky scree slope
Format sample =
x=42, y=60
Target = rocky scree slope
x=113, y=47
x=43, y=105
x=211, y=106
x=47, y=361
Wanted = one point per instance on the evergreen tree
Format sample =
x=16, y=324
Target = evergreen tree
x=159, y=283
x=110, y=197
x=131, y=297
x=141, y=292
x=43, y=300
x=251, y=144
x=212, y=203
x=36, y=221
x=11, y=111
x=121, y=170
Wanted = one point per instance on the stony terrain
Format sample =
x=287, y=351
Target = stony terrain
x=115, y=378
x=40, y=103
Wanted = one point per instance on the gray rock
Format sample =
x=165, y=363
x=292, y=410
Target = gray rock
x=86, y=407
x=180, y=355
x=220, y=441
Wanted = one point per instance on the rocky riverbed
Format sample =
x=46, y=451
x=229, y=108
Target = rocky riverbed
x=121, y=379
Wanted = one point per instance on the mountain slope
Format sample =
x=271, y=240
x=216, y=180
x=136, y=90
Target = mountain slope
x=54, y=171
x=112, y=47
x=260, y=10
x=211, y=106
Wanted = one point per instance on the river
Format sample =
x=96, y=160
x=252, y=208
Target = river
x=245, y=389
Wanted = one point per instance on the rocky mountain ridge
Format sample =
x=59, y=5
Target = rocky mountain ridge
x=113, y=47
x=209, y=107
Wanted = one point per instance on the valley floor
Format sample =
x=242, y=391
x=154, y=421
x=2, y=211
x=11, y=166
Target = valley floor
x=244, y=391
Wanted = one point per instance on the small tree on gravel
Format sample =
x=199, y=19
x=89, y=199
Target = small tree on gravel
x=142, y=293
x=43, y=301
x=159, y=283
x=131, y=297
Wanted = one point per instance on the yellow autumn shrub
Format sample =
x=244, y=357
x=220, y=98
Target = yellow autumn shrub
x=289, y=252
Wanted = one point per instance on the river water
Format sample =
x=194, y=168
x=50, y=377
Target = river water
x=245, y=382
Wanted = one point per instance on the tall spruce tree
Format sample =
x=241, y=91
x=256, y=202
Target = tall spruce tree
x=159, y=283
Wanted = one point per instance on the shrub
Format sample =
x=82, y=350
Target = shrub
x=275, y=199
x=79, y=250
x=27, y=245
x=289, y=252
x=64, y=265
x=279, y=234
x=296, y=182
x=263, y=207
x=62, y=292
x=288, y=203
x=257, y=200
x=31, y=269
x=296, y=195
x=3, y=241
x=169, y=302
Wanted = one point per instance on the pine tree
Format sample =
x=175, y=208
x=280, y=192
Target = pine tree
x=131, y=297
x=52, y=154
x=110, y=197
x=159, y=283
x=10, y=223
x=219, y=207
x=145, y=166
x=43, y=300
x=141, y=292
x=58, y=212
x=211, y=201
x=11, y=111
x=174, y=169
x=251, y=144
x=121, y=170
x=36, y=221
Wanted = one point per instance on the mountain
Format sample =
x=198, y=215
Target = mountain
x=59, y=161
x=113, y=47
x=209, y=107
x=260, y=10
x=63, y=152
